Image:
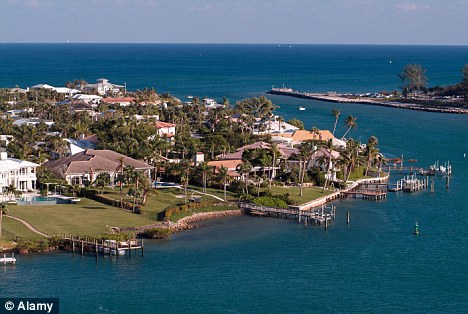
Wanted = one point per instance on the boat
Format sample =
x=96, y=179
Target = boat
x=301, y=108
x=189, y=96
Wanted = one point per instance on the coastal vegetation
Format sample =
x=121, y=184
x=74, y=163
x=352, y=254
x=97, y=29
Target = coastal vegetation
x=314, y=168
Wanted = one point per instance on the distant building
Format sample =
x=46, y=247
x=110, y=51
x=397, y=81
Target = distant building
x=32, y=121
x=19, y=173
x=120, y=101
x=77, y=146
x=104, y=87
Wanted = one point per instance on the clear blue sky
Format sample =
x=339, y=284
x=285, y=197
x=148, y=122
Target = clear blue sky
x=236, y=21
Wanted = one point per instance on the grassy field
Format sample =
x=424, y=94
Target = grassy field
x=160, y=199
x=308, y=194
x=18, y=229
x=86, y=218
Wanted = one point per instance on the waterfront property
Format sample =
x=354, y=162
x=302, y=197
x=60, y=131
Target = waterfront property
x=84, y=166
x=19, y=173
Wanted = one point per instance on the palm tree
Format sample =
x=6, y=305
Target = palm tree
x=204, y=168
x=351, y=123
x=224, y=177
x=329, y=148
x=336, y=113
x=245, y=169
x=275, y=152
x=280, y=121
x=305, y=153
x=371, y=151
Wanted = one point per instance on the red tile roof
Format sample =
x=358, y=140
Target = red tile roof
x=161, y=124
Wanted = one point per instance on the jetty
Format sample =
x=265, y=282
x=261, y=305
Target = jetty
x=342, y=98
x=368, y=192
x=8, y=258
x=103, y=247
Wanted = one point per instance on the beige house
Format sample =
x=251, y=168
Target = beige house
x=84, y=166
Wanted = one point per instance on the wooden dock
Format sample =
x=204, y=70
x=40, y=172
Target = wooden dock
x=8, y=259
x=376, y=194
x=103, y=247
x=315, y=216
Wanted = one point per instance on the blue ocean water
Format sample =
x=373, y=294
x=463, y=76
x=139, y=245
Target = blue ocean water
x=260, y=265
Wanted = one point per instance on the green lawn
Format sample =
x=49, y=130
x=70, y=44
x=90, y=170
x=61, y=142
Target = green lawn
x=308, y=193
x=86, y=218
x=162, y=198
x=18, y=229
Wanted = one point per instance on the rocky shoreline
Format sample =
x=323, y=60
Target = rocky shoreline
x=366, y=101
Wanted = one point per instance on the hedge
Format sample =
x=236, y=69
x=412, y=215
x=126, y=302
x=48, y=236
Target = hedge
x=168, y=212
x=92, y=194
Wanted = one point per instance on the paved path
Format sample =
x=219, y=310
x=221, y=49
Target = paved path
x=29, y=226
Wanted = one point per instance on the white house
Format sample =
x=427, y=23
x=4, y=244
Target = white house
x=89, y=99
x=104, y=87
x=166, y=129
x=20, y=173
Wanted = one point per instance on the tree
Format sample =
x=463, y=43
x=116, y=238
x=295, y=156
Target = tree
x=464, y=82
x=297, y=123
x=225, y=178
x=351, y=123
x=413, y=78
x=2, y=208
x=204, y=168
x=371, y=152
x=102, y=180
x=245, y=169
x=329, y=148
x=275, y=152
x=336, y=113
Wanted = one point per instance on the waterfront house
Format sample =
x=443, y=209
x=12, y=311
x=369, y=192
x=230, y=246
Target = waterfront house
x=83, y=167
x=19, y=173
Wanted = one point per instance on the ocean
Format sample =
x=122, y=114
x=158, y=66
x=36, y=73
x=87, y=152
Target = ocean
x=267, y=265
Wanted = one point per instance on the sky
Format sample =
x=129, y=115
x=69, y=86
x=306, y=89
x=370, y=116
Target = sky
x=433, y=22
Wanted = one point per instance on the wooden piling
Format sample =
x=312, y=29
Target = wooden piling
x=347, y=218
x=326, y=222
x=82, y=248
x=432, y=186
x=447, y=181
x=142, y=248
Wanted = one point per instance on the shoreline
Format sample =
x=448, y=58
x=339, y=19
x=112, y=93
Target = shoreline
x=365, y=101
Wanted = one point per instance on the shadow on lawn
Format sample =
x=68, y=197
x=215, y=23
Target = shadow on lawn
x=94, y=207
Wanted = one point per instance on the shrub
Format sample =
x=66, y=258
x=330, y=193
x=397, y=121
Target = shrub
x=157, y=233
x=270, y=202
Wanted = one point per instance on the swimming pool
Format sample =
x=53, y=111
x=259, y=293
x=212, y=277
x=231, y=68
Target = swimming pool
x=42, y=200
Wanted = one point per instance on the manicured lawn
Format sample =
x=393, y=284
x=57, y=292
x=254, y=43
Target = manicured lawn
x=86, y=218
x=162, y=198
x=175, y=217
x=308, y=193
x=18, y=229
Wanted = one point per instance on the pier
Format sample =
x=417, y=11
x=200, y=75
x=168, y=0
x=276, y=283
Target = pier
x=409, y=184
x=317, y=216
x=103, y=247
x=376, y=193
x=8, y=259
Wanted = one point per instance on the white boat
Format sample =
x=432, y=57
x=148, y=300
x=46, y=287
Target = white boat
x=189, y=96
x=301, y=108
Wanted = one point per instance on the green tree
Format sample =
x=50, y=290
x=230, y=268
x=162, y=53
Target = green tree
x=336, y=113
x=225, y=178
x=350, y=123
x=102, y=180
x=371, y=151
x=297, y=123
x=413, y=78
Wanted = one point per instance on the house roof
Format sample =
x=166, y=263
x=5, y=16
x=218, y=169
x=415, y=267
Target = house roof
x=118, y=100
x=161, y=124
x=230, y=164
x=304, y=135
x=284, y=150
x=10, y=164
x=92, y=138
x=84, y=144
x=92, y=160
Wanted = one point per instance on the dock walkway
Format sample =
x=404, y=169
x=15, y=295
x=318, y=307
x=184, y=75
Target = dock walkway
x=110, y=247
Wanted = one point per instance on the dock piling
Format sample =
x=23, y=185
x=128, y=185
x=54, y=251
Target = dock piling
x=347, y=218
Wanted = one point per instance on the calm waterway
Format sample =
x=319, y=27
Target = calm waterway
x=260, y=265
